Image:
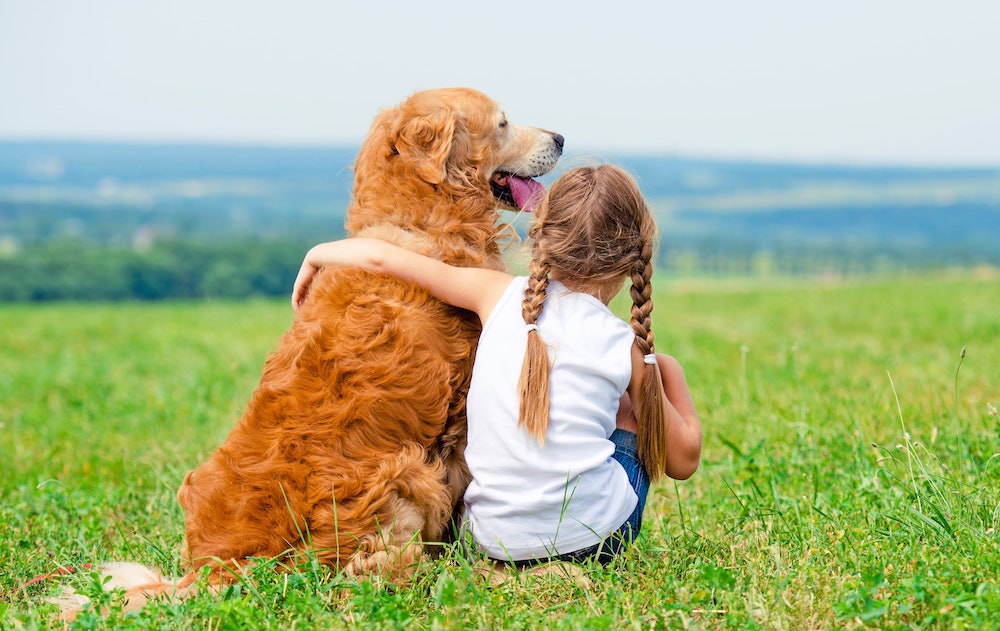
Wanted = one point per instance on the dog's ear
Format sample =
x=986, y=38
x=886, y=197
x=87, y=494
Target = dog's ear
x=424, y=142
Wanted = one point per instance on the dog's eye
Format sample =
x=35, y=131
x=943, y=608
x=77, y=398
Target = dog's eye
x=503, y=123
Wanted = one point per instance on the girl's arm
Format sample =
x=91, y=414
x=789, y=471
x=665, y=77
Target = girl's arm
x=683, y=426
x=471, y=288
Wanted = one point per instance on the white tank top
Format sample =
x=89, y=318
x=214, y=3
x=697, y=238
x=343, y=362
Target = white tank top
x=528, y=501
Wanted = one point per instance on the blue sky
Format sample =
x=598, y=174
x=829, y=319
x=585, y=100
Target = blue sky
x=870, y=81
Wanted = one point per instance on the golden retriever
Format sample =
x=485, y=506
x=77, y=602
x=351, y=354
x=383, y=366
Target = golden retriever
x=352, y=445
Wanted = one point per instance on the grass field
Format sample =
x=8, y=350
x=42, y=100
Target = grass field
x=850, y=474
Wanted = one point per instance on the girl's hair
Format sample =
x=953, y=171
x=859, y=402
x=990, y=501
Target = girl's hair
x=592, y=231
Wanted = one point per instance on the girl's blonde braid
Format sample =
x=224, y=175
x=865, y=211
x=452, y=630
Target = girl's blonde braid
x=650, y=415
x=533, y=384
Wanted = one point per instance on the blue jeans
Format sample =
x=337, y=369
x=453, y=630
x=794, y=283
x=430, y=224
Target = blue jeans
x=627, y=455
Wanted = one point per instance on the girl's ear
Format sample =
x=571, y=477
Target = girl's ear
x=424, y=143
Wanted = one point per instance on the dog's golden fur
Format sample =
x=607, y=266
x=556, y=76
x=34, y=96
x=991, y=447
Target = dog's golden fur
x=352, y=445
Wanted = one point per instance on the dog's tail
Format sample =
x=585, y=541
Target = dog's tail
x=141, y=584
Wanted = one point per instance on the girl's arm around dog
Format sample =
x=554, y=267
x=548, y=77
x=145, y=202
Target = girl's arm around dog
x=475, y=289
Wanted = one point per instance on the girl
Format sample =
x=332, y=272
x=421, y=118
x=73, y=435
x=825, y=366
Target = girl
x=560, y=464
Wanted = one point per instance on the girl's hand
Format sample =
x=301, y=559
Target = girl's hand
x=302, y=281
x=344, y=252
x=365, y=253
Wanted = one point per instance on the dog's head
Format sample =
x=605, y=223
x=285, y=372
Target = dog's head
x=459, y=143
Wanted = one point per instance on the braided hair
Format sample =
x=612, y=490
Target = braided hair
x=594, y=230
x=533, y=385
x=649, y=412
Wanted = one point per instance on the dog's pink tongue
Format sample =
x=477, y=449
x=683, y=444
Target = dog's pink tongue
x=527, y=193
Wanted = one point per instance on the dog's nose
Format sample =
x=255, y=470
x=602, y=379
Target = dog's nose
x=559, y=140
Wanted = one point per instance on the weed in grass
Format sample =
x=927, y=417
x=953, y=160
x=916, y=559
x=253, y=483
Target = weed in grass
x=961, y=358
x=941, y=503
x=867, y=601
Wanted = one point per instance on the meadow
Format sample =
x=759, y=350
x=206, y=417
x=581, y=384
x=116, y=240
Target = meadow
x=850, y=474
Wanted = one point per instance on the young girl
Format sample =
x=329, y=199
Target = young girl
x=560, y=464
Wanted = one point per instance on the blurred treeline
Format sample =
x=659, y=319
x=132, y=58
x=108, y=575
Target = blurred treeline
x=70, y=269
x=93, y=221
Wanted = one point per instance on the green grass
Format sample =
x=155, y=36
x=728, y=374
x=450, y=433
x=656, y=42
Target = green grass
x=850, y=476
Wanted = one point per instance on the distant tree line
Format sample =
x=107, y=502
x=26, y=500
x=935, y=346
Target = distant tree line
x=76, y=270
x=730, y=257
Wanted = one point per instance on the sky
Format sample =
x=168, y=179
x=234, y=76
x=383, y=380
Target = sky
x=852, y=81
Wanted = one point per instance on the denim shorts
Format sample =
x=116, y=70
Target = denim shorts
x=627, y=455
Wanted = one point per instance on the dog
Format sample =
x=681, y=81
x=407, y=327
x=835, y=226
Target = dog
x=351, y=447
